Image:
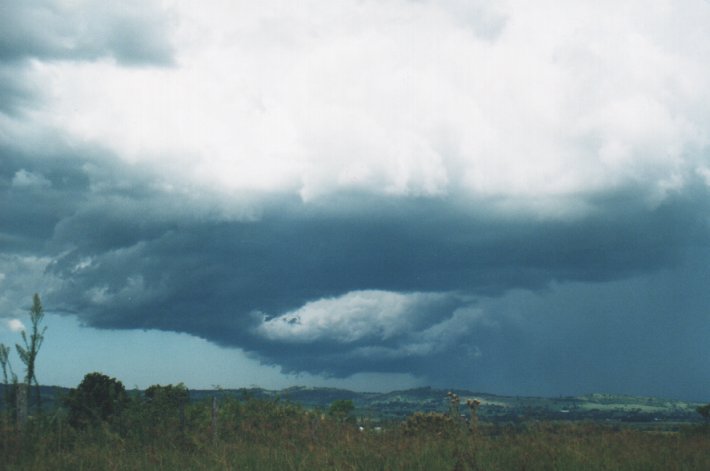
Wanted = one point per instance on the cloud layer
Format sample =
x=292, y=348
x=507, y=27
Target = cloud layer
x=340, y=187
x=133, y=32
x=407, y=98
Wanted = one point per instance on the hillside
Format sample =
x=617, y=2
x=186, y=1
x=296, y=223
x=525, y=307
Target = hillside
x=397, y=405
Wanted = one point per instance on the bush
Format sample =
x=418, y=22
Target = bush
x=97, y=399
x=160, y=415
x=431, y=424
x=342, y=410
x=167, y=399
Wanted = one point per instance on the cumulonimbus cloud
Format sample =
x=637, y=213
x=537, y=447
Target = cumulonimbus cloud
x=350, y=186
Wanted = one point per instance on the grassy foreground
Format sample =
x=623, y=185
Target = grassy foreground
x=269, y=435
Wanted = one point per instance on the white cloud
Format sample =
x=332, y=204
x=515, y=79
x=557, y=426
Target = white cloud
x=437, y=338
x=516, y=101
x=368, y=319
x=15, y=325
x=358, y=315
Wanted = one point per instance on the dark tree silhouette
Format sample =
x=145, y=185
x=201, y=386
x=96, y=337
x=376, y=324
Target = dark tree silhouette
x=98, y=398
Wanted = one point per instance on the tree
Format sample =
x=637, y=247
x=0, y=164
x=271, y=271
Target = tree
x=28, y=353
x=167, y=397
x=166, y=405
x=98, y=398
x=6, y=366
x=341, y=410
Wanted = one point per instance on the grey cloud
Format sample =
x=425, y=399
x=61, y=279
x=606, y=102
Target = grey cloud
x=16, y=92
x=210, y=278
x=37, y=191
x=500, y=298
x=25, y=179
x=131, y=32
x=642, y=335
x=20, y=277
x=296, y=253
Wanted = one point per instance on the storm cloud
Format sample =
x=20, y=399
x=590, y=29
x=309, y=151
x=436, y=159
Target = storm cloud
x=133, y=32
x=433, y=188
x=358, y=283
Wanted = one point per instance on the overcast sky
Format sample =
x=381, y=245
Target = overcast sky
x=506, y=196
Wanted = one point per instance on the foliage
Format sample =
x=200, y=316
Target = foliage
x=161, y=412
x=166, y=403
x=28, y=353
x=704, y=411
x=9, y=391
x=161, y=430
x=98, y=398
x=5, y=363
x=167, y=397
x=9, y=382
x=342, y=411
x=432, y=424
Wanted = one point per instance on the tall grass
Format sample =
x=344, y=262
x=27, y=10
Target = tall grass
x=270, y=435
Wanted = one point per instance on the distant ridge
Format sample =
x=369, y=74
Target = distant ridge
x=396, y=405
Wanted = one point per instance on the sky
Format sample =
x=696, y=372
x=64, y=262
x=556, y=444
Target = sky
x=511, y=197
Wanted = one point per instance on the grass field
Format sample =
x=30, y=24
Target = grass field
x=260, y=434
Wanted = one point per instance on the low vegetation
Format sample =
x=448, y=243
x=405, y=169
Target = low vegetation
x=99, y=425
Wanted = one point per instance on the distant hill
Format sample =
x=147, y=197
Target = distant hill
x=397, y=405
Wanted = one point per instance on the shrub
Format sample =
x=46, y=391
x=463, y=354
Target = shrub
x=342, y=410
x=167, y=398
x=431, y=424
x=97, y=399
